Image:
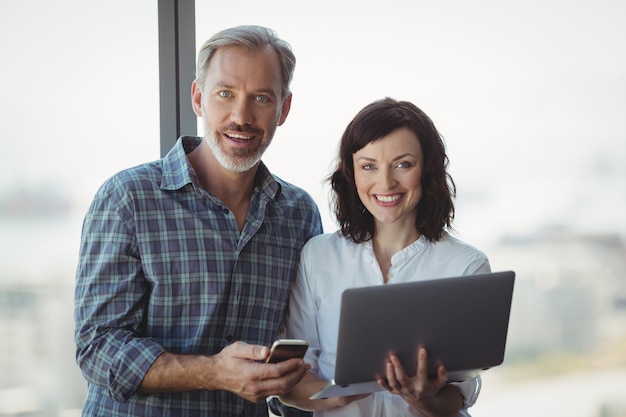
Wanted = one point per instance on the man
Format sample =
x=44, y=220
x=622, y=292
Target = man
x=186, y=262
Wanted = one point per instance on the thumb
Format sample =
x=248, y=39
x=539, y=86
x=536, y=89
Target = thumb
x=259, y=352
x=255, y=352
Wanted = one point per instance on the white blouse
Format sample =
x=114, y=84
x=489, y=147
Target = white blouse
x=329, y=264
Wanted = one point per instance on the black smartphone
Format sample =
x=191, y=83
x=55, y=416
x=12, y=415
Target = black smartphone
x=284, y=349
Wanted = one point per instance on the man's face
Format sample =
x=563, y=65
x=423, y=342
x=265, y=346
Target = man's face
x=241, y=104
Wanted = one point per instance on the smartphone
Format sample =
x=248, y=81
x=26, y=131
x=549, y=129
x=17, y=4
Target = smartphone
x=284, y=349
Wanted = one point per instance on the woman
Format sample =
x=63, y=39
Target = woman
x=392, y=196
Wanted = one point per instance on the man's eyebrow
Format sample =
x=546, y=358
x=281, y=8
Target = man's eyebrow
x=267, y=90
x=222, y=85
x=264, y=90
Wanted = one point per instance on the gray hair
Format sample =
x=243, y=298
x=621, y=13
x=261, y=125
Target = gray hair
x=251, y=38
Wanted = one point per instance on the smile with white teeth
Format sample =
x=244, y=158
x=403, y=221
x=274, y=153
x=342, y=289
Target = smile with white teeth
x=238, y=136
x=388, y=198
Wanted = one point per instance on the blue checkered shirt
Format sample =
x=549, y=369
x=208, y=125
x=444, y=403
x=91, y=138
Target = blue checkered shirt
x=163, y=267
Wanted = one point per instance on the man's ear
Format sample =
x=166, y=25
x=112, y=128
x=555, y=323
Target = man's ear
x=284, y=111
x=196, y=98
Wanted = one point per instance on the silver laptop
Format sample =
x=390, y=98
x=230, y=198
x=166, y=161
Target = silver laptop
x=462, y=322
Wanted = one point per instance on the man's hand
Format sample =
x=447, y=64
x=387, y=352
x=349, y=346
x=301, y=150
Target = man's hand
x=238, y=368
x=238, y=371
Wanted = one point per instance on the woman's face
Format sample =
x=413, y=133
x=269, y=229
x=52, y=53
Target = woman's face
x=388, y=174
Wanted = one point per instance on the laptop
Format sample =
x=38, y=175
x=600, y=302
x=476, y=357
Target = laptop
x=462, y=322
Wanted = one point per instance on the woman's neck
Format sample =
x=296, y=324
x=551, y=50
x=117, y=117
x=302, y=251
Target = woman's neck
x=389, y=240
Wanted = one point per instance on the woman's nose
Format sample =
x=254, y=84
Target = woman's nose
x=387, y=179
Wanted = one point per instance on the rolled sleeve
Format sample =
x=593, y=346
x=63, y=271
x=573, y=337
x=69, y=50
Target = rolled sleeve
x=110, y=301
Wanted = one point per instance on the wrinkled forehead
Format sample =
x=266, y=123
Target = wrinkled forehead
x=257, y=69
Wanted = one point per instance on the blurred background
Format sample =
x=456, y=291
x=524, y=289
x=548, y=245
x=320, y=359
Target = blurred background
x=530, y=98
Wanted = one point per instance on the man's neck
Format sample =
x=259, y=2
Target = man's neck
x=233, y=188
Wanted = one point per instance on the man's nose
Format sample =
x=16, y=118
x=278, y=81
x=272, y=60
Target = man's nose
x=242, y=113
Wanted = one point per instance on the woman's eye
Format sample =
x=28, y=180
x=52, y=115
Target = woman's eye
x=403, y=165
x=367, y=167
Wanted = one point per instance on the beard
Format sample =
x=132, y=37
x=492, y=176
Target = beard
x=237, y=159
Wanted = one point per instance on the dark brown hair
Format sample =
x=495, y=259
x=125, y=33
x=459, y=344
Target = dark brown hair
x=435, y=211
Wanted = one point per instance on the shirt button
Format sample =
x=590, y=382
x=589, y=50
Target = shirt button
x=225, y=210
x=282, y=331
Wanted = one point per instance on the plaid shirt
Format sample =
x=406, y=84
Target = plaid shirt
x=163, y=267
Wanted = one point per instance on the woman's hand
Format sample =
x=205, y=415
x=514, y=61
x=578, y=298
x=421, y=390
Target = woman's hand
x=429, y=396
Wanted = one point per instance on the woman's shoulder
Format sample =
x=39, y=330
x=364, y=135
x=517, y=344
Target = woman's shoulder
x=329, y=244
x=457, y=246
x=451, y=256
x=325, y=240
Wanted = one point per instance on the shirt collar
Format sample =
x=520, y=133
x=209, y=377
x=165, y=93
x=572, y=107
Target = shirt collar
x=266, y=182
x=402, y=255
x=176, y=168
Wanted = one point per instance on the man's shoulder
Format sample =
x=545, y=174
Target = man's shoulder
x=288, y=187
x=292, y=193
x=139, y=177
x=148, y=175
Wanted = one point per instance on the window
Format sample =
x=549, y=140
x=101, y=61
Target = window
x=80, y=101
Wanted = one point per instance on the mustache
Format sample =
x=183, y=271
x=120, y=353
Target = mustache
x=247, y=128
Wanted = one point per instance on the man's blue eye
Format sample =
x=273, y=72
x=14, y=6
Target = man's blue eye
x=224, y=93
x=262, y=99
